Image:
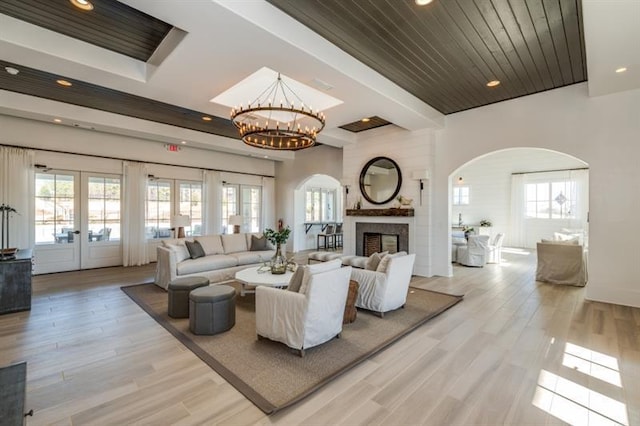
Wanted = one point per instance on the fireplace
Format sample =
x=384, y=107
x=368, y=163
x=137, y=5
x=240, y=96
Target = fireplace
x=377, y=237
x=375, y=242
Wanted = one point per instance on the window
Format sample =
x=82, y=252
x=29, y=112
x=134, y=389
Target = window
x=243, y=200
x=162, y=205
x=320, y=205
x=104, y=208
x=460, y=195
x=55, y=209
x=191, y=205
x=158, y=223
x=550, y=200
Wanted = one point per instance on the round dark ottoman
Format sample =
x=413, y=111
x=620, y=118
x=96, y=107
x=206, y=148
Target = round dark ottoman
x=212, y=309
x=179, y=290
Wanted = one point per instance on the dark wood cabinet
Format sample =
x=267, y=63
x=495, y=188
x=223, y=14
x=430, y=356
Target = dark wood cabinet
x=15, y=283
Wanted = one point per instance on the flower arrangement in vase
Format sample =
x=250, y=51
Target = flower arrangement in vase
x=279, y=237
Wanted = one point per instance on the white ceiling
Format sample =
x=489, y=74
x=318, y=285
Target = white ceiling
x=229, y=40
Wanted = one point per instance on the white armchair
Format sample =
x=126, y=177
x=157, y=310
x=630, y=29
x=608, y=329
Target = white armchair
x=494, y=254
x=304, y=320
x=382, y=292
x=475, y=252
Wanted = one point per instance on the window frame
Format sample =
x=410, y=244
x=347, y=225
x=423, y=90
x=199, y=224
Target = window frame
x=458, y=199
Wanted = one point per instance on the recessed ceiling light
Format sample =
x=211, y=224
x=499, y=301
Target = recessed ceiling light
x=82, y=4
x=183, y=142
x=207, y=118
x=423, y=2
x=366, y=120
x=266, y=156
x=64, y=83
x=493, y=83
x=621, y=69
x=12, y=70
x=57, y=120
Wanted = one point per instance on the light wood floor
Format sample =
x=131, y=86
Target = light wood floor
x=513, y=352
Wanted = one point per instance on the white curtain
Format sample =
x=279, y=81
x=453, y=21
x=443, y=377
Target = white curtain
x=268, y=203
x=134, y=241
x=16, y=191
x=212, y=214
x=581, y=196
x=516, y=235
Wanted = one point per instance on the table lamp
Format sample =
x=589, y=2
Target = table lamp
x=180, y=221
x=236, y=221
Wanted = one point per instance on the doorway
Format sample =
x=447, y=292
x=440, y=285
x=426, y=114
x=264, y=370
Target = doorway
x=77, y=220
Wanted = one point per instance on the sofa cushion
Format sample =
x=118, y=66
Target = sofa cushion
x=258, y=244
x=195, y=249
x=249, y=257
x=207, y=263
x=212, y=244
x=234, y=243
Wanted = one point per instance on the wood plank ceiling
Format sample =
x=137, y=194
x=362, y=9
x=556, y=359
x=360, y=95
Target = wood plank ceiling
x=444, y=53
x=111, y=25
x=42, y=84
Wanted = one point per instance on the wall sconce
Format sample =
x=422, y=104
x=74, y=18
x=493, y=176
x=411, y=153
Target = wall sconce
x=460, y=180
x=421, y=176
x=180, y=221
x=346, y=183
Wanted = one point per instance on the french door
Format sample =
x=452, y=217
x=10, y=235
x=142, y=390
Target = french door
x=77, y=221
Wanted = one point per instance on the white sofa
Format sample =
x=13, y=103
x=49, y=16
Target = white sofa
x=224, y=256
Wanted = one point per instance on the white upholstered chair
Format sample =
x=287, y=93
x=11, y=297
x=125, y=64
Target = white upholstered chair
x=302, y=320
x=494, y=254
x=386, y=288
x=561, y=263
x=475, y=252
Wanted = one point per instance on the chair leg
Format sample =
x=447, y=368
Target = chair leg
x=260, y=337
x=339, y=335
x=301, y=353
x=380, y=314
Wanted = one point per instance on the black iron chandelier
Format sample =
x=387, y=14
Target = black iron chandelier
x=280, y=126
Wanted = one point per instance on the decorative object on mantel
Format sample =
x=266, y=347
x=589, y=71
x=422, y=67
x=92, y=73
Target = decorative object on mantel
x=264, y=124
x=358, y=204
x=380, y=212
x=404, y=202
x=278, y=261
x=6, y=253
x=485, y=222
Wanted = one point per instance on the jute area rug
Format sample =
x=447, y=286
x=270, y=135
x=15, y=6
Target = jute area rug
x=269, y=373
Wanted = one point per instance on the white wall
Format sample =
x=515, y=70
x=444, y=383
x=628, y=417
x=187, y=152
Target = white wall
x=602, y=131
x=412, y=151
x=38, y=134
x=489, y=180
x=290, y=174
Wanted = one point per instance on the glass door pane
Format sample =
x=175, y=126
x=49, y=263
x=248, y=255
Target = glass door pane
x=55, y=208
x=104, y=209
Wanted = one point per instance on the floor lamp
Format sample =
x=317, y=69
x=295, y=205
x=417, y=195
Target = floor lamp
x=180, y=221
x=236, y=221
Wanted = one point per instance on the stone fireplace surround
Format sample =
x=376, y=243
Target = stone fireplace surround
x=400, y=229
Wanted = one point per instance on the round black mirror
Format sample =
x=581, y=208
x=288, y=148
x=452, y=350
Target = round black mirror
x=380, y=180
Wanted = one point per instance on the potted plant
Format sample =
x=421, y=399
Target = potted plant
x=467, y=230
x=279, y=237
x=485, y=222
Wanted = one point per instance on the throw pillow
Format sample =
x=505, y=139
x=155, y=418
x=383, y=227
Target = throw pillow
x=195, y=249
x=374, y=260
x=258, y=244
x=180, y=251
x=384, y=263
x=296, y=280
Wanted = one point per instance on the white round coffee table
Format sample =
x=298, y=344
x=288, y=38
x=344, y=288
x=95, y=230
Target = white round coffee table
x=251, y=277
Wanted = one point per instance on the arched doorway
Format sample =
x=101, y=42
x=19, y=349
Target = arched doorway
x=317, y=198
x=484, y=190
